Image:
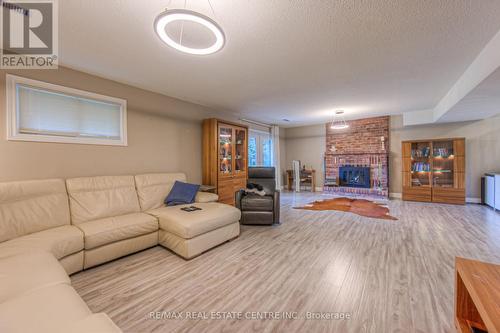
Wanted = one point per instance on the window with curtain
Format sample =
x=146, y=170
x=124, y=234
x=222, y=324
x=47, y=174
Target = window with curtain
x=50, y=113
x=260, y=150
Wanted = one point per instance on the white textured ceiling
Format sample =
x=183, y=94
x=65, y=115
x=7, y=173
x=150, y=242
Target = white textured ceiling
x=291, y=59
x=482, y=102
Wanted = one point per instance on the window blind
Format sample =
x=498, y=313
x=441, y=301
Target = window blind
x=45, y=112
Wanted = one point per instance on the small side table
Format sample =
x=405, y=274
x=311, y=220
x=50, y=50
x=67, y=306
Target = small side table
x=477, y=295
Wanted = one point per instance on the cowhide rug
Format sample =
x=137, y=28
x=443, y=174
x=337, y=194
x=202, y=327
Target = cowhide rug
x=357, y=206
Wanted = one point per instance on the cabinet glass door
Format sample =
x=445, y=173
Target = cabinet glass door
x=225, y=150
x=442, y=164
x=421, y=164
x=240, y=158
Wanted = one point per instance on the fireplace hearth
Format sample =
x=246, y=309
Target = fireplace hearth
x=354, y=176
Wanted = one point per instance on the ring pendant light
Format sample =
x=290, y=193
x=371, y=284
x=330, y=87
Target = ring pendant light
x=172, y=15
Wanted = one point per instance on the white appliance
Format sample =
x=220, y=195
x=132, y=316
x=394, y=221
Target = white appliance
x=492, y=190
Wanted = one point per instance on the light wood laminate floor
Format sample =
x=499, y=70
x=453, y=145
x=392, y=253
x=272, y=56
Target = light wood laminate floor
x=390, y=276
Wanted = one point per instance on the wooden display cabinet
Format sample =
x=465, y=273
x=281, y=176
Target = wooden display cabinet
x=434, y=170
x=225, y=157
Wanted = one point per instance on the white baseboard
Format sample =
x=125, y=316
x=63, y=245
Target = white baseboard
x=473, y=200
x=395, y=195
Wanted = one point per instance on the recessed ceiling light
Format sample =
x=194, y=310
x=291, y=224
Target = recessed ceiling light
x=173, y=15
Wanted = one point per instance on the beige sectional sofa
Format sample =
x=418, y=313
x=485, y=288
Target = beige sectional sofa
x=107, y=210
x=52, y=228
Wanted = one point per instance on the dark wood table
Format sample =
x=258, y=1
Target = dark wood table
x=306, y=176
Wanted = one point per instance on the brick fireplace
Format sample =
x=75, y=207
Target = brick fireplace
x=357, y=158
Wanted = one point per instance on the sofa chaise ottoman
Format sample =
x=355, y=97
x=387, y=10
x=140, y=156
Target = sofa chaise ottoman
x=187, y=233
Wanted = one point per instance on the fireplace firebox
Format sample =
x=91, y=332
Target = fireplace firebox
x=354, y=176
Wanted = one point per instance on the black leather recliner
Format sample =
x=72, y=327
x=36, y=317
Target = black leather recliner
x=256, y=209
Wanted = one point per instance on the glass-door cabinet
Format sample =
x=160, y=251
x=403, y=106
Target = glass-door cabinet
x=225, y=157
x=232, y=150
x=434, y=170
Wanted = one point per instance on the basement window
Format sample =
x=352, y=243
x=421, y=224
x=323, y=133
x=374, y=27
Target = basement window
x=44, y=112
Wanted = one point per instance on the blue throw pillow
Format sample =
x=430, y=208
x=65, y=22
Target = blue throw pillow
x=181, y=193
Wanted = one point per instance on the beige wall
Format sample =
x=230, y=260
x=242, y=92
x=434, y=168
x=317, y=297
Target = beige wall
x=164, y=135
x=307, y=144
x=482, y=148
